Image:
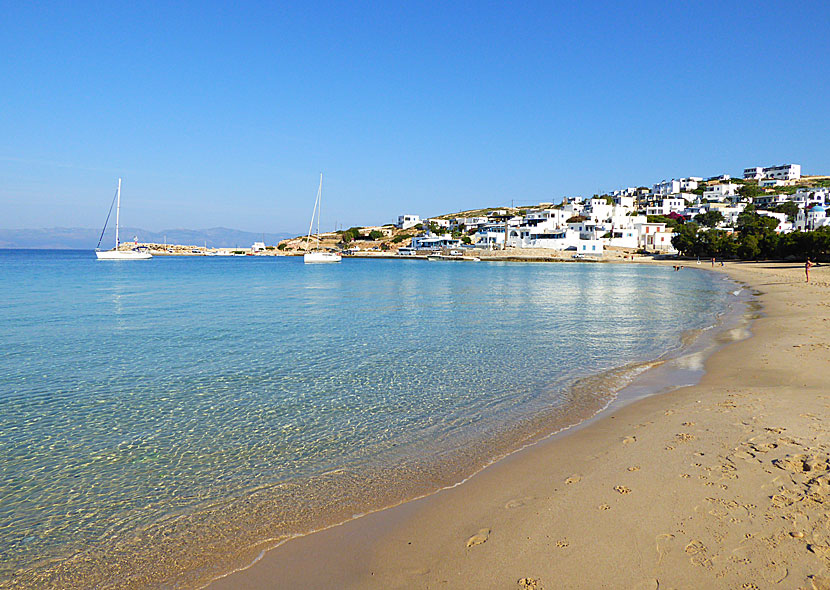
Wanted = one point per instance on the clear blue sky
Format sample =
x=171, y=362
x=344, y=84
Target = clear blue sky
x=220, y=114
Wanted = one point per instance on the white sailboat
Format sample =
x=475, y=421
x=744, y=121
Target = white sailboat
x=115, y=253
x=318, y=255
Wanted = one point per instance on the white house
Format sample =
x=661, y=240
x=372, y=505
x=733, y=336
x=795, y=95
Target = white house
x=655, y=237
x=666, y=206
x=755, y=173
x=812, y=195
x=660, y=241
x=771, y=182
x=770, y=200
x=806, y=198
x=689, y=184
x=468, y=222
x=628, y=191
x=442, y=223
x=811, y=219
x=674, y=186
x=783, y=172
x=589, y=248
x=624, y=201
x=666, y=188
x=783, y=224
x=627, y=237
x=434, y=242
x=407, y=221
x=719, y=192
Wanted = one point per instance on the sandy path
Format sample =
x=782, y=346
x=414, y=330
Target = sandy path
x=721, y=485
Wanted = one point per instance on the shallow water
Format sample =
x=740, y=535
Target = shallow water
x=163, y=421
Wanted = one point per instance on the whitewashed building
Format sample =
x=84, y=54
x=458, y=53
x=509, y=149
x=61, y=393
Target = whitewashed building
x=434, y=242
x=812, y=219
x=666, y=188
x=441, y=223
x=771, y=182
x=783, y=172
x=407, y=221
x=783, y=224
x=666, y=206
x=812, y=195
x=763, y=201
x=754, y=173
x=719, y=192
x=589, y=248
x=468, y=222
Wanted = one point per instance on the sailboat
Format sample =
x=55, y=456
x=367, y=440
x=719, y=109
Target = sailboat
x=318, y=255
x=115, y=253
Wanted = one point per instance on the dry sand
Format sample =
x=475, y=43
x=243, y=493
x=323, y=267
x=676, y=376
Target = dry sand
x=722, y=485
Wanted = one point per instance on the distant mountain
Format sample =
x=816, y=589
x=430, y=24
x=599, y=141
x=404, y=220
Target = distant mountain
x=79, y=238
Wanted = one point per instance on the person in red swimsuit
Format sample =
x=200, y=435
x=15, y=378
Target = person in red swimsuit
x=807, y=266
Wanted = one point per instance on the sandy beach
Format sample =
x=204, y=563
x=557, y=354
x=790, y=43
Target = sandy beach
x=725, y=484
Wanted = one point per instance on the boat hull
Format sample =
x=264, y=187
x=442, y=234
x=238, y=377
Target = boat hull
x=123, y=255
x=321, y=257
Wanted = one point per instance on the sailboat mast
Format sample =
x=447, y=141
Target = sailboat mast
x=117, y=213
x=319, y=209
x=311, y=223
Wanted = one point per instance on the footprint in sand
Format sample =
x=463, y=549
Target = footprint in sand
x=573, y=479
x=775, y=572
x=629, y=439
x=634, y=468
x=683, y=437
x=820, y=582
x=665, y=543
x=697, y=551
x=517, y=502
x=530, y=584
x=480, y=537
x=604, y=507
x=562, y=543
x=622, y=489
x=688, y=424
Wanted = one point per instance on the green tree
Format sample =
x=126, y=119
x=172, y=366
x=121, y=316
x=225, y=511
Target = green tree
x=466, y=240
x=788, y=207
x=749, y=248
x=673, y=223
x=710, y=219
x=749, y=191
x=685, y=239
x=375, y=234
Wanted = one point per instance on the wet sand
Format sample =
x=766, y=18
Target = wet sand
x=725, y=484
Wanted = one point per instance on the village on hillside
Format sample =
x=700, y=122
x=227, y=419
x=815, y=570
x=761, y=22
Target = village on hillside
x=771, y=212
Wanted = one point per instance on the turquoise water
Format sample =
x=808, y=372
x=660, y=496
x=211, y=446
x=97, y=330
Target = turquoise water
x=162, y=421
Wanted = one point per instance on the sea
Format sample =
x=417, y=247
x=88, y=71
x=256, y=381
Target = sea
x=163, y=422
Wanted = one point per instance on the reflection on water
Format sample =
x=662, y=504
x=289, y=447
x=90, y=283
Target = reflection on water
x=161, y=421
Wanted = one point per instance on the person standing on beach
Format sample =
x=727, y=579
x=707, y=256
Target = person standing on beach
x=807, y=266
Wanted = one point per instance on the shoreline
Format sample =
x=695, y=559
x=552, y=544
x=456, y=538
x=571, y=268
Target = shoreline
x=621, y=385
x=375, y=530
